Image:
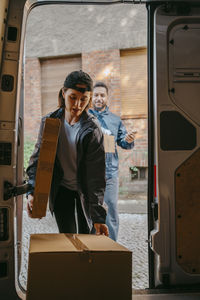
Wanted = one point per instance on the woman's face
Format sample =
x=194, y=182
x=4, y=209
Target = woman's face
x=75, y=101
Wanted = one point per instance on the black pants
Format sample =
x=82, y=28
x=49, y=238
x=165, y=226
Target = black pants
x=66, y=203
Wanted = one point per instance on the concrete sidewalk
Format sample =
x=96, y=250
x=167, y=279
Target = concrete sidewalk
x=136, y=205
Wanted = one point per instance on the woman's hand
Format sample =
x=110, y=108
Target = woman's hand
x=30, y=205
x=101, y=229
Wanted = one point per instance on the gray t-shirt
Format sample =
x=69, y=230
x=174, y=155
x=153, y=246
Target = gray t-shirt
x=67, y=153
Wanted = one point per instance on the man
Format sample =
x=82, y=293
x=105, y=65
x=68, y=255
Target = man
x=114, y=134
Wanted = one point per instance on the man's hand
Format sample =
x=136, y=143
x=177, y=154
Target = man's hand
x=130, y=136
x=30, y=205
x=101, y=229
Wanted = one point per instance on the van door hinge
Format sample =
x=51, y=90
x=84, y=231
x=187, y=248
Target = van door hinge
x=12, y=191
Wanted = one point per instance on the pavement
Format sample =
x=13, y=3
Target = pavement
x=132, y=235
x=134, y=206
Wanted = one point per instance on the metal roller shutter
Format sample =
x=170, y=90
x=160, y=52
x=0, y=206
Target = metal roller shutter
x=134, y=83
x=53, y=74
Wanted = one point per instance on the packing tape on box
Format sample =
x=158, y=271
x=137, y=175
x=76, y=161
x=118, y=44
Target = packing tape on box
x=79, y=245
x=76, y=242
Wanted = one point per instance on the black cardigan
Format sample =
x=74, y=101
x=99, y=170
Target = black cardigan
x=90, y=168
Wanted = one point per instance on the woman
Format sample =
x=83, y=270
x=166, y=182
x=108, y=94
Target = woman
x=78, y=180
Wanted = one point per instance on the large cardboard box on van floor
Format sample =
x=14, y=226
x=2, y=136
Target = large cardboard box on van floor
x=78, y=267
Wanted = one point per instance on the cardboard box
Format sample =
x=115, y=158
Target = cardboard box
x=109, y=143
x=45, y=167
x=78, y=266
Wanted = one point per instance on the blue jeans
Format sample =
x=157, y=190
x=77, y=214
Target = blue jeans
x=110, y=198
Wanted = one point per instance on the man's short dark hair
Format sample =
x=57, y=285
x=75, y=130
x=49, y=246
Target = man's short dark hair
x=101, y=84
x=77, y=78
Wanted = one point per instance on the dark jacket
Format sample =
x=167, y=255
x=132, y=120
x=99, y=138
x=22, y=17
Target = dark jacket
x=90, y=168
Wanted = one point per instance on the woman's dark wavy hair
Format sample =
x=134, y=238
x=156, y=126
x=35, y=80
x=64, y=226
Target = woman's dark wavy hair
x=61, y=100
x=76, y=77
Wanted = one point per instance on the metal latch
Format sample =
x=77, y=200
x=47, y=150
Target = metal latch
x=12, y=191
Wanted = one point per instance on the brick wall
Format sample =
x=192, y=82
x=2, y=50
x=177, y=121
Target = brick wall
x=138, y=155
x=101, y=65
x=105, y=66
x=32, y=96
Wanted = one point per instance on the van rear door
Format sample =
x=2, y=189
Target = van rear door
x=174, y=144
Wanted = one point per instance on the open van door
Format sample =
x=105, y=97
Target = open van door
x=174, y=144
x=11, y=147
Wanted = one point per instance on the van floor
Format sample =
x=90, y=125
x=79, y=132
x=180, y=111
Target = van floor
x=187, y=296
x=175, y=294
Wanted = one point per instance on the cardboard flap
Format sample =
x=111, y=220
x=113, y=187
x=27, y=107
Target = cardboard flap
x=61, y=242
x=51, y=243
x=100, y=243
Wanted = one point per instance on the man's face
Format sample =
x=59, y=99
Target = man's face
x=75, y=101
x=100, y=98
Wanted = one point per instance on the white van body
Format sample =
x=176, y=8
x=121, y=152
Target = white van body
x=173, y=200
x=176, y=71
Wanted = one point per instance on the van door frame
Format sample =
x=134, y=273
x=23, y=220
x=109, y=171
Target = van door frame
x=16, y=18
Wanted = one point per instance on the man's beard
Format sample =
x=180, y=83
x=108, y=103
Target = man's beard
x=99, y=108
